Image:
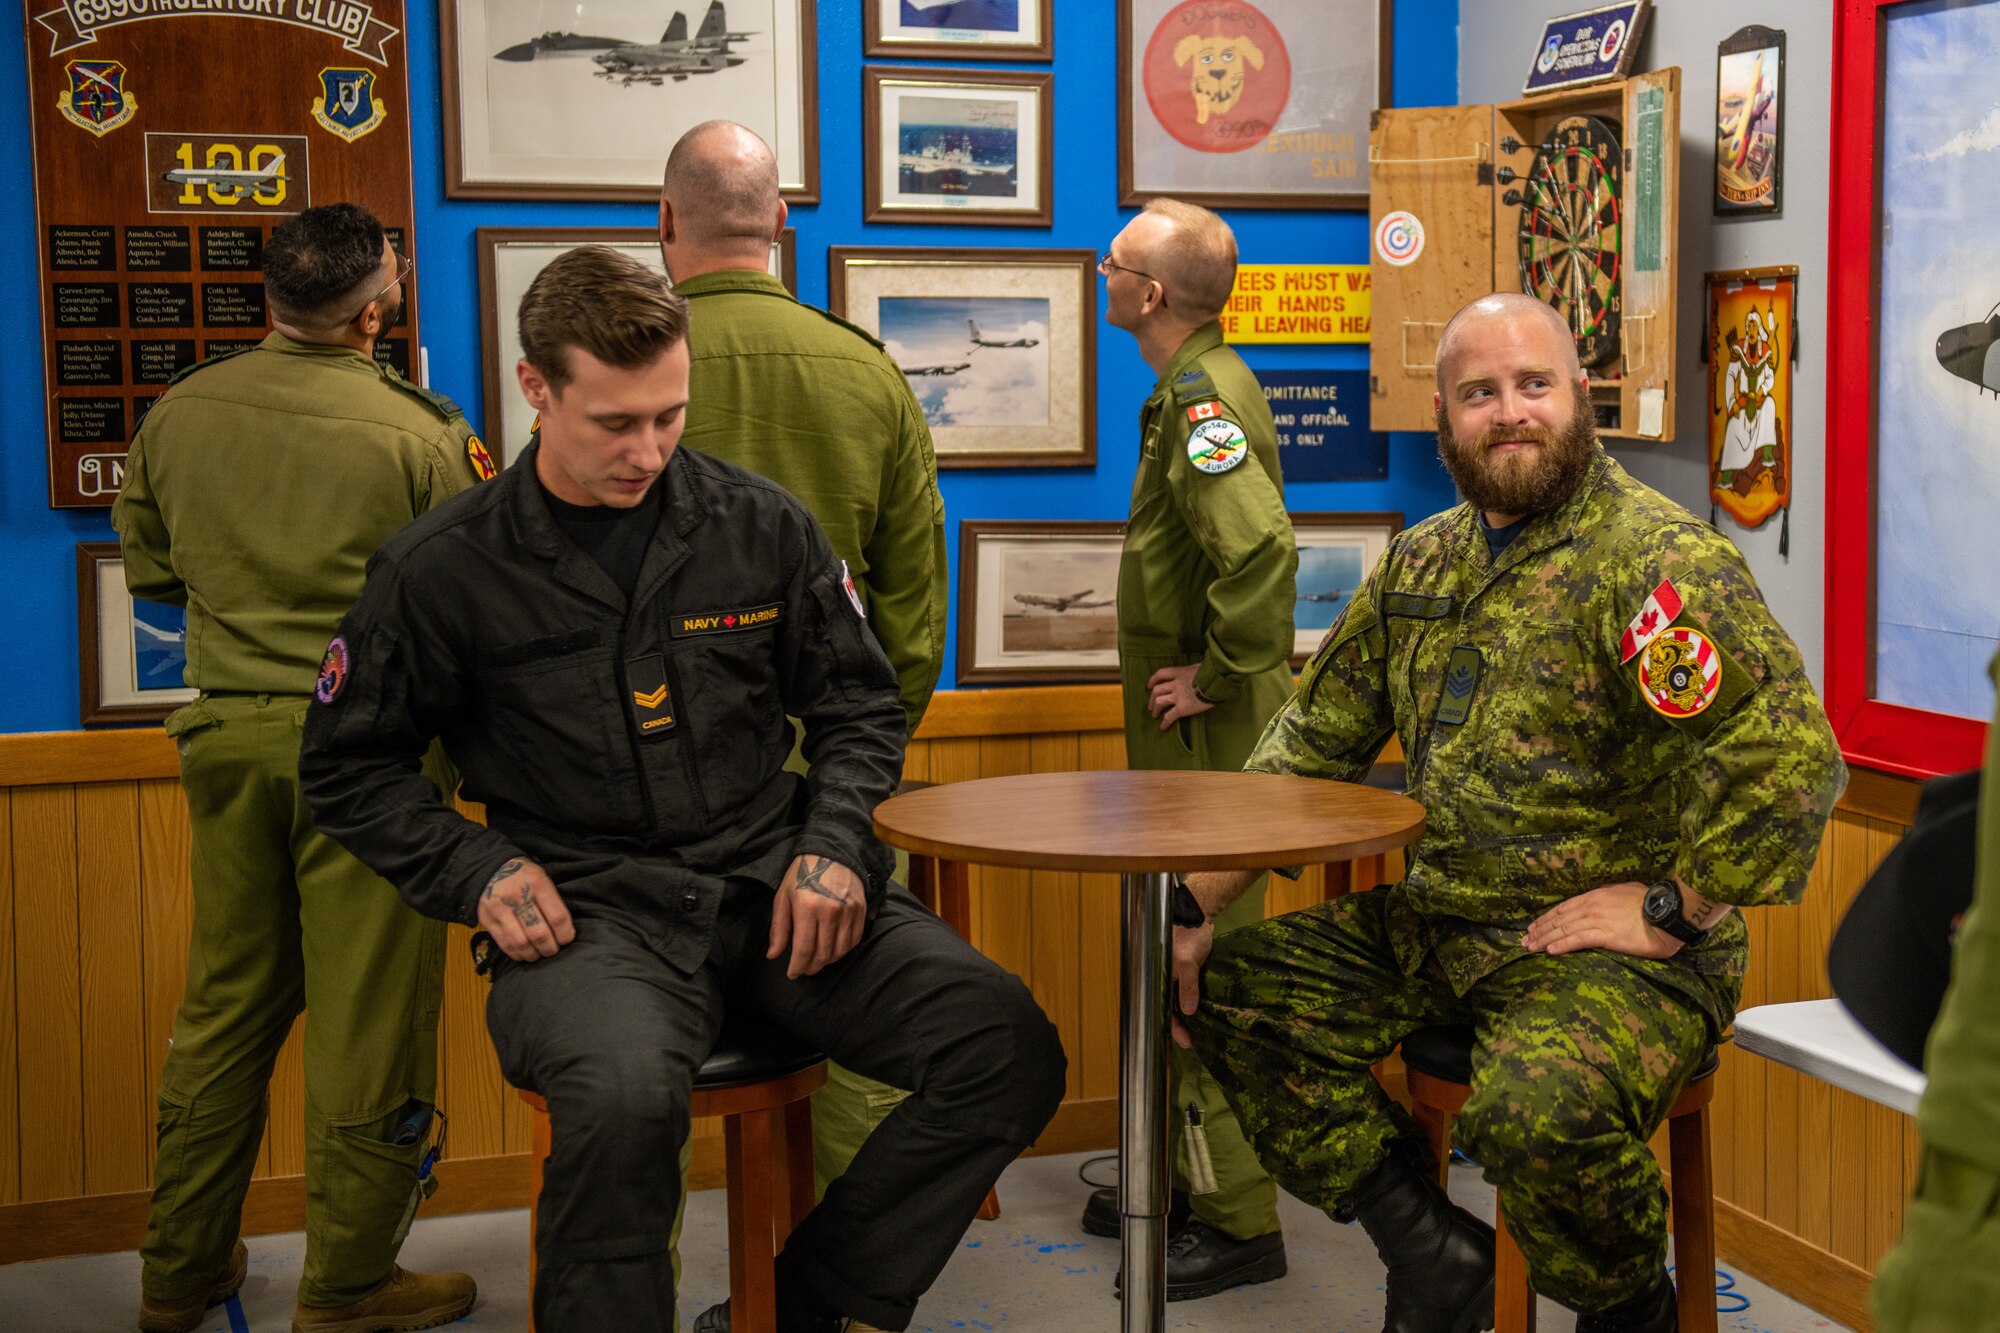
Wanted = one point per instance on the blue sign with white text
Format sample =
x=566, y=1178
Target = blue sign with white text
x=1586, y=48
x=1322, y=420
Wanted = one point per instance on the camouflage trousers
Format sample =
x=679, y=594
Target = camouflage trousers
x=1576, y=1063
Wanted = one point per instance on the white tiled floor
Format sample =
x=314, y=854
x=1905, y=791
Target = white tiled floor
x=1032, y=1271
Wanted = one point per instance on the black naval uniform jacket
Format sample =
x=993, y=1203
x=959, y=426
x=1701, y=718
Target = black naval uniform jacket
x=635, y=750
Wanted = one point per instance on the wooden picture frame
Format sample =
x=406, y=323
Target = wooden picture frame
x=551, y=132
x=1014, y=631
x=507, y=417
x=950, y=145
x=1900, y=351
x=1750, y=123
x=1337, y=553
x=1175, y=141
x=1020, y=393
x=901, y=34
x=120, y=646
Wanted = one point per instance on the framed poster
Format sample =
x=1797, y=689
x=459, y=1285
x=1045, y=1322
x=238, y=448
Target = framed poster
x=168, y=141
x=132, y=653
x=531, y=113
x=509, y=259
x=1751, y=346
x=1912, y=373
x=1750, y=122
x=1239, y=105
x=957, y=145
x=1038, y=601
x=1337, y=553
x=1000, y=346
x=986, y=29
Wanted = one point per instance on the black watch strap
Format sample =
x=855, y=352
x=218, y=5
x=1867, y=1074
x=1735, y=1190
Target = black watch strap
x=1673, y=922
x=1183, y=908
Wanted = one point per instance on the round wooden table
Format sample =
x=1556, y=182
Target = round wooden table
x=1147, y=826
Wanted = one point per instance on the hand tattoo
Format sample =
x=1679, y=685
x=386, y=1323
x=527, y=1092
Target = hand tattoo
x=812, y=878
x=522, y=905
x=511, y=867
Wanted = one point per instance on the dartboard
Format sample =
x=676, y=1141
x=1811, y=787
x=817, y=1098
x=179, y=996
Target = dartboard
x=1570, y=236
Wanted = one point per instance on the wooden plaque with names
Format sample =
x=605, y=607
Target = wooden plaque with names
x=170, y=137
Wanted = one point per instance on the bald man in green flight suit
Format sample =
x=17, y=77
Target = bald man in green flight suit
x=1205, y=633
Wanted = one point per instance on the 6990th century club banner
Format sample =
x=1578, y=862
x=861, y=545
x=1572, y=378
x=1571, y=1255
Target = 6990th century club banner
x=170, y=137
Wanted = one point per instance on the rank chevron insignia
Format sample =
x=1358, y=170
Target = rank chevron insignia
x=653, y=700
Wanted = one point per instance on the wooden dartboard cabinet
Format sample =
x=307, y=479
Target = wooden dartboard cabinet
x=1468, y=200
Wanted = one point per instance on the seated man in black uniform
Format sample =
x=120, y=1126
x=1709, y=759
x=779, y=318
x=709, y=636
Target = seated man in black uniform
x=608, y=639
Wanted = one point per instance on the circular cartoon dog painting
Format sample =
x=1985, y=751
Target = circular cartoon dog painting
x=1217, y=75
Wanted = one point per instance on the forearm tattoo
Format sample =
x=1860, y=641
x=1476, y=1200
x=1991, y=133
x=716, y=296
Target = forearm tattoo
x=812, y=878
x=522, y=903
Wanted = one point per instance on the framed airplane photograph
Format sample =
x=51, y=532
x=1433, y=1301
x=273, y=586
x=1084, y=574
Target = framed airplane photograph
x=999, y=346
x=132, y=652
x=533, y=112
x=1038, y=601
x=982, y=29
x=1337, y=552
x=1243, y=105
x=509, y=259
x=957, y=145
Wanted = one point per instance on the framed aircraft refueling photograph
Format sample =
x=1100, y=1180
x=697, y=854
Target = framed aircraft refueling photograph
x=957, y=145
x=998, y=345
x=590, y=113
x=1038, y=601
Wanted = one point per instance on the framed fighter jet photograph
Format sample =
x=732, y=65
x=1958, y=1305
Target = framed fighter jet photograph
x=957, y=145
x=591, y=110
x=1038, y=601
x=1337, y=552
x=985, y=29
x=133, y=653
x=1750, y=122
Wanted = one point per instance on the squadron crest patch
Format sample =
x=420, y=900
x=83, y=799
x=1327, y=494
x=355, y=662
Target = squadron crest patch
x=1217, y=445
x=96, y=99
x=347, y=105
x=1680, y=673
x=482, y=461
x=332, y=672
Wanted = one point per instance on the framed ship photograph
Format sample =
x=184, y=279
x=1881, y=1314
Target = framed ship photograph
x=1750, y=123
x=1337, y=553
x=509, y=259
x=1000, y=346
x=1038, y=601
x=961, y=29
x=132, y=652
x=1241, y=105
x=591, y=112
x=957, y=145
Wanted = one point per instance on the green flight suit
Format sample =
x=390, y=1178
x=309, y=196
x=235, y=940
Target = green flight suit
x=1943, y=1276
x=812, y=402
x=1548, y=768
x=255, y=492
x=1207, y=577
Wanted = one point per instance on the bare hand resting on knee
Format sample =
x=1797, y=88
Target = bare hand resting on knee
x=524, y=914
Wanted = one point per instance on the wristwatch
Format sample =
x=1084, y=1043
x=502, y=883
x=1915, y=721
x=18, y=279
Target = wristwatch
x=1662, y=909
x=1183, y=908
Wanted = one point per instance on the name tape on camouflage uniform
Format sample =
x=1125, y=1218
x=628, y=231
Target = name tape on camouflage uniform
x=1681, y=673
x=1662, y=608
x=724, y=622
x=1217, y=445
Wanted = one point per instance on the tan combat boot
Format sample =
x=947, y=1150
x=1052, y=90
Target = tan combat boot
x=181, y=1316
x=406, y=1301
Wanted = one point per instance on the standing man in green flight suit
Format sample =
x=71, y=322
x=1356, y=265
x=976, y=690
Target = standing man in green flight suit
x=1205, y=602
x=255, y=492
x=813, y=403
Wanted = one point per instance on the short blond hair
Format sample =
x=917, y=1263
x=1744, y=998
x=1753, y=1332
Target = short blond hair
x=1195, y=262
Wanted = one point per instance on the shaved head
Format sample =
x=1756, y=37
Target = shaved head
x=1505, y=308
x=722, y=184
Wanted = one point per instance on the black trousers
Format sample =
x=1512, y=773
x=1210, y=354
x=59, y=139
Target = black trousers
x=611, y=1036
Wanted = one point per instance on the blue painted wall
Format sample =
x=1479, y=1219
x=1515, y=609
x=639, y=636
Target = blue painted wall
x=38, y=660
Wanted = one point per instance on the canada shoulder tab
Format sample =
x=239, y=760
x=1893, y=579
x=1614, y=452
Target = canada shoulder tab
x=208, y=361
x=851, y=327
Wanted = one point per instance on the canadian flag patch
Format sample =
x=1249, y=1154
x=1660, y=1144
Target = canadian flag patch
x=1203, y=411
x=1662, y=606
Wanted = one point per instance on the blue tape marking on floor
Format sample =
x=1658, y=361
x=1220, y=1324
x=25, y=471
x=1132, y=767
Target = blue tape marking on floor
x=1725, y=1290
x=237, y=1323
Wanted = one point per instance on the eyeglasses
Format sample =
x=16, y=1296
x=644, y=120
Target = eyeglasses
x=404, y=268
x=1107, y=266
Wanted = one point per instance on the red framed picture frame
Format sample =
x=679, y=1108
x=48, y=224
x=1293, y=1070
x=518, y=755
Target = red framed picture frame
x=1873, y=734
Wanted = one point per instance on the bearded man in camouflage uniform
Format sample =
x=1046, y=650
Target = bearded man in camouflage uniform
x=1617, y=746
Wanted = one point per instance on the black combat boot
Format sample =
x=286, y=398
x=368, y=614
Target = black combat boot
x=1440, y=1257
x=1653, y=1311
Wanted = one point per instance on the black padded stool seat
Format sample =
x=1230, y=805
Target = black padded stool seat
x=753, y=1052
x=1389, y=776
x=1444, y=1051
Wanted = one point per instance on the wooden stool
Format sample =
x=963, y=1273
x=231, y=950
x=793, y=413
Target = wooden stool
x=1439, y=1060
x=759, y=1082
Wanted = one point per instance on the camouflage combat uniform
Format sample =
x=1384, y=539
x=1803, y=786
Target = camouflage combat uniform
x=1514, y=686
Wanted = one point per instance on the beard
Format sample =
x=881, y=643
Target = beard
x=1520, y=483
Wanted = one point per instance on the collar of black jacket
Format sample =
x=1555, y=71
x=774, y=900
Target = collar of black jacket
x=684, y=510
